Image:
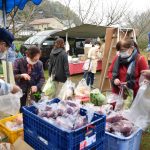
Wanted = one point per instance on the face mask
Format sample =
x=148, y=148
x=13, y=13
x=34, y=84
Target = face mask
x=2, y=55
x=30, y=61
x=124, y=54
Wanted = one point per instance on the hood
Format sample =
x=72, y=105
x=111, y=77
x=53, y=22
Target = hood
x=56, y=51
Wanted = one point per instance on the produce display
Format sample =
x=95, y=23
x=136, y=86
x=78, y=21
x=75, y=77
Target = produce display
x=62, y=112
x=15, y=124
x=118, y=125
x=97, y=98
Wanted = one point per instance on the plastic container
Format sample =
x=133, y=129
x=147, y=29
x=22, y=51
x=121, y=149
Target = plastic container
x=113, y=142
x=12, y=135
x=42, y=135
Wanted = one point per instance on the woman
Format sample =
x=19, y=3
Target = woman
x=28, y=72
x=58, y=64
x=93, y=56
x=127, y=66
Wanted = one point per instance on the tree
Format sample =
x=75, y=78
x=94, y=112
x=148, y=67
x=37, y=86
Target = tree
x=141, y=22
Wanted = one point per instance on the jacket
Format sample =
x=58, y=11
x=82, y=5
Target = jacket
x=37, y=74
x=141, y=64
x=58, y=65
x=93, y=54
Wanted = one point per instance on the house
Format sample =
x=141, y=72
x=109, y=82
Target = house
x=47, y=23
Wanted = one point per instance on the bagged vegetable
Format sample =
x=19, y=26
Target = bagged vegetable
x=128, y=98
x=49, y=88
x=82, y=89
x=67, y=91
x=139, y=113
x=10, y=104
x=97, y=98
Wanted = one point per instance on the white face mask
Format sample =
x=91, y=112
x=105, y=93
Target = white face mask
x=124, y=54
x=30, y=61
x=2, y=55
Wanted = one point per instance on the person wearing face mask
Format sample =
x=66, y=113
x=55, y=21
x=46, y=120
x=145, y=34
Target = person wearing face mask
x=127, y=66
x=94, y=56
x=6, y=39
x=29, y=73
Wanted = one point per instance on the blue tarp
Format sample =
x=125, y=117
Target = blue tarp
x=10, y=4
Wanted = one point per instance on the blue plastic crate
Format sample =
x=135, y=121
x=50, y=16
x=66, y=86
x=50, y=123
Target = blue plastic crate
x=113, y=142
x=42, y=135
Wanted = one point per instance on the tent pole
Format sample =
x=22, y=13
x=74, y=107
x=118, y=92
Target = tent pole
x=4, y=12
x=4, y=20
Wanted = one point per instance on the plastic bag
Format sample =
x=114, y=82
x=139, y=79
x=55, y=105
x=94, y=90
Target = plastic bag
x=139, y=113
x=82, y=89
x=97, y=98
x=49, y=88
x=10, y=104
x=67, y=91
x=87, y=65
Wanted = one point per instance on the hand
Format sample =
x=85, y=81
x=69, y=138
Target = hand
x=25, y=76
x=117, y=82
x=15, y=89
x=145, y=72
x=34, y=89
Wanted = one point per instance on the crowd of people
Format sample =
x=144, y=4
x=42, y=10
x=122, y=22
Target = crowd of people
x=126, y=67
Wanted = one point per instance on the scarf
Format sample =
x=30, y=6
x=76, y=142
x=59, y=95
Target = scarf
x=29, y=67
x=130, y=62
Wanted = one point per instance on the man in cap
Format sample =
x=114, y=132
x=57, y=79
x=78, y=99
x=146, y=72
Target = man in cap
x=6, y=39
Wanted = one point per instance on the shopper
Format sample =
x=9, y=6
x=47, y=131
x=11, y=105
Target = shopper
x=6, y=39
x=58, y=64
x=93, y=56
x=29, y=74
x=127, y=66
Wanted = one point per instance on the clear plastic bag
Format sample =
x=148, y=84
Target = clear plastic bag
x=82, y=89
x=10, y=104
x=67, y=91
x=49, y=88
x=139, y=113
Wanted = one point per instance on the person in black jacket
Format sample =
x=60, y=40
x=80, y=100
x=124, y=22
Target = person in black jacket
x=58, y=63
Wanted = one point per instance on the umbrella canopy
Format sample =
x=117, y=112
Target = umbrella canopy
x=11, y=4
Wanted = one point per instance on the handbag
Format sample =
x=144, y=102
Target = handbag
x=87, y=65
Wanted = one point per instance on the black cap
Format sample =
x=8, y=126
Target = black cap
x=6, y=36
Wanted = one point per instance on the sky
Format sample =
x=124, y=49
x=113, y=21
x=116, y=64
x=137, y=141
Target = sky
x=134, y=5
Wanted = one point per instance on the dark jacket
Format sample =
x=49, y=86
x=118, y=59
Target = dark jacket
x=37, y=74
x=58, y=65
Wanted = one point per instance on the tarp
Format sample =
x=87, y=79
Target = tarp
x=11, y=4
x=83, y=31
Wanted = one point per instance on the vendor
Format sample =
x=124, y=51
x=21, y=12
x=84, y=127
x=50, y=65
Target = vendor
x=6, y=39
x=29, y=74
x=127, y=66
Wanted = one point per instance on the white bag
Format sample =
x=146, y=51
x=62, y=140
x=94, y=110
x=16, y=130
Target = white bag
x=10, y=103
x=87, y=65
x=139, y=113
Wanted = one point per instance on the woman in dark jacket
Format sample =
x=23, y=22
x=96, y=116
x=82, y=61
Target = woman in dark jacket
x=58, y=64
x=29, y=74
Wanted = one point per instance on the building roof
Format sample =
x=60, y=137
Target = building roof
x=44, y=21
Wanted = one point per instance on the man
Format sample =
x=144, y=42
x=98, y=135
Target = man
x=6, y=39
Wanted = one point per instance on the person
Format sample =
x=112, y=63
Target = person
x=11, y=53
x=29, y=74
x=87, y=47
x=18, y=54
x=93, y=56
x=58, y=64
x=127, y=66
x=146, y=74
x=6, y=39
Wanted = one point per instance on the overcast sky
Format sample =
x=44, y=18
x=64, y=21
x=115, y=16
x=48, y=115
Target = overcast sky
x=134, y=5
